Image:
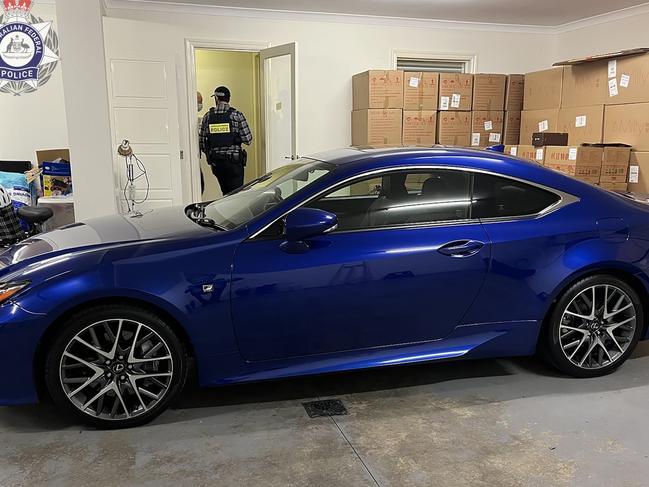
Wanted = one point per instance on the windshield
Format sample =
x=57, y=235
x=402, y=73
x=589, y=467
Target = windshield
x=263, y=193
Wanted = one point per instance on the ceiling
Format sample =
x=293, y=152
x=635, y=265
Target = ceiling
x=521, y=12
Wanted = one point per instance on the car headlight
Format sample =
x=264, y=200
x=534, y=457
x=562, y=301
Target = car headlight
x=9, y=289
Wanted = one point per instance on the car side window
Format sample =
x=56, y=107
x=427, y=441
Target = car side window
x=400, y=198
x=495, y=197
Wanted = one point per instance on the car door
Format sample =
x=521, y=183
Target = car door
x=404, y=265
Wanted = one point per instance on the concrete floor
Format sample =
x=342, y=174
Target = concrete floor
x=488, y=422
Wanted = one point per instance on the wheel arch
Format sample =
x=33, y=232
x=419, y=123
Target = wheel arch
x=626, y=274
x=56, y=325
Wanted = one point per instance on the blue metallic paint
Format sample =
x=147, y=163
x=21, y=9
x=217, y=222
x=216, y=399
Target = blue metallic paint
x=355, y=299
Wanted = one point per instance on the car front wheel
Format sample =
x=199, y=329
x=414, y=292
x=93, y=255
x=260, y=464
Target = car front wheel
x=115, y=366
x=595, y=326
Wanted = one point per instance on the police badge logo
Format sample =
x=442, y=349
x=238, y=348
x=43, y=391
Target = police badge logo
x=29, y=49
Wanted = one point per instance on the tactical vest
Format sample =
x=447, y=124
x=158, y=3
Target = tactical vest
x=221, y=131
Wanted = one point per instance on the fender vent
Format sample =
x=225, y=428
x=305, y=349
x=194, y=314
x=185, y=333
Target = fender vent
x=325, y=407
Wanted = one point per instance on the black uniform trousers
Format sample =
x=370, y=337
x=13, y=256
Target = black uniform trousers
x=228, y=172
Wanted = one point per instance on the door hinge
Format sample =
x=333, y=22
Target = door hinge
x=182, y=154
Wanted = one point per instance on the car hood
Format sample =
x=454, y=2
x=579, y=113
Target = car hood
x=162, y=224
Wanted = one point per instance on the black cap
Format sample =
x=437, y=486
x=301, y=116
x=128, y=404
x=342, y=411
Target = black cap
x=222, y=93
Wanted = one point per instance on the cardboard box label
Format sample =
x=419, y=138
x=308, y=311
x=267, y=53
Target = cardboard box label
x=624, y=80
x=475, y=139
x=612, y=87
x=488, y=125
x=543, y=125
x=494, y=137
x=572, y=154
x=634, y=174
x=444, y=103
x=513, y=151
x=580, y=121
x=413, y=82
x=455, y=100
x=612, y=68
x=539, y=154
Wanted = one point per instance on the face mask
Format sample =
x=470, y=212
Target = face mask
x=200, y=107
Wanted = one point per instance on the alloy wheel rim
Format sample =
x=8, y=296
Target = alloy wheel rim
x=116, y=369
x=597, y=326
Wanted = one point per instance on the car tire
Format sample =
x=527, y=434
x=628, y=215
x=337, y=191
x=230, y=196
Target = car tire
x=115, y=366
x=586, y=340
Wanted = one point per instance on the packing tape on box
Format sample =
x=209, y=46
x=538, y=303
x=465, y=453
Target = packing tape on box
x=386, y=100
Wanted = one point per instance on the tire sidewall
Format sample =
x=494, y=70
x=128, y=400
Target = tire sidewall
x=553, y=346
x=80, y=321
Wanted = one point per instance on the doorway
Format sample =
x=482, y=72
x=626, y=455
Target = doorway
x=239, y=71
x=262, y=82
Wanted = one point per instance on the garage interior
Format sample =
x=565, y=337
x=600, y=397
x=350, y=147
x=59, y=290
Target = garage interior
x=309, y=77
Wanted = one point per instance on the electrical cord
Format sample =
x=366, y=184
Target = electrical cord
x=125, y=150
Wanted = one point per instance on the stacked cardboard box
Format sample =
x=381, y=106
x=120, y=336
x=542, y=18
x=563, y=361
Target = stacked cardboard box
x=455, y=91
x=620, y=84
x=530, y=152
x=615, y=168
x=420, y=91
x=486, y=128
x=454, y=128
x=487, y=117
x=582, y=162
x=639, y=172
x=599, y=99
x=392, y=107
x=541, y=103
x=420, y=99
x=377, y=108
x=419, y=127
x=514, y=91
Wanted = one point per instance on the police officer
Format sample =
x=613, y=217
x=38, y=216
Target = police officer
x=223, y=130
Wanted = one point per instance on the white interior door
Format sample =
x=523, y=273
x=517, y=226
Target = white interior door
x=279, y=104
x=143, y=101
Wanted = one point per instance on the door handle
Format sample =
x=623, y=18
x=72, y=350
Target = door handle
x=461, y=248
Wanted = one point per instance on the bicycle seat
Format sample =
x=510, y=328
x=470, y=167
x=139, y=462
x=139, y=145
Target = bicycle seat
x=35, y=214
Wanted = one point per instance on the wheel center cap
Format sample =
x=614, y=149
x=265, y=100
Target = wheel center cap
x=118, y=368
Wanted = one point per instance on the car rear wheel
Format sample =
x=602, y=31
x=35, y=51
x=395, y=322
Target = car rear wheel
x=115, y=366
x=595, y=326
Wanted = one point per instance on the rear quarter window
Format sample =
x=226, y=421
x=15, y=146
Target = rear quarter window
x=495, y=197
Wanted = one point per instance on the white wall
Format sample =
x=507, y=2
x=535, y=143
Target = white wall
x=36, y=120
x=83, y=67
x=610, y=36
x=329, y=53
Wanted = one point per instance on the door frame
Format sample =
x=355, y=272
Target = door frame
x=191, y=44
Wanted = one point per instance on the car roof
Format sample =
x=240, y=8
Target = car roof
x=353, y=160
x=357, y=154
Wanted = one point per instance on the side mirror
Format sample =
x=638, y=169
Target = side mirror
x=304, y=223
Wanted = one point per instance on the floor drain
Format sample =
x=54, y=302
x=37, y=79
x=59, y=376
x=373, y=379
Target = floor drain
x=325, y=407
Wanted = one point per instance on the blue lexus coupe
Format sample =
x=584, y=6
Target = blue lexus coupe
x=344, y=260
